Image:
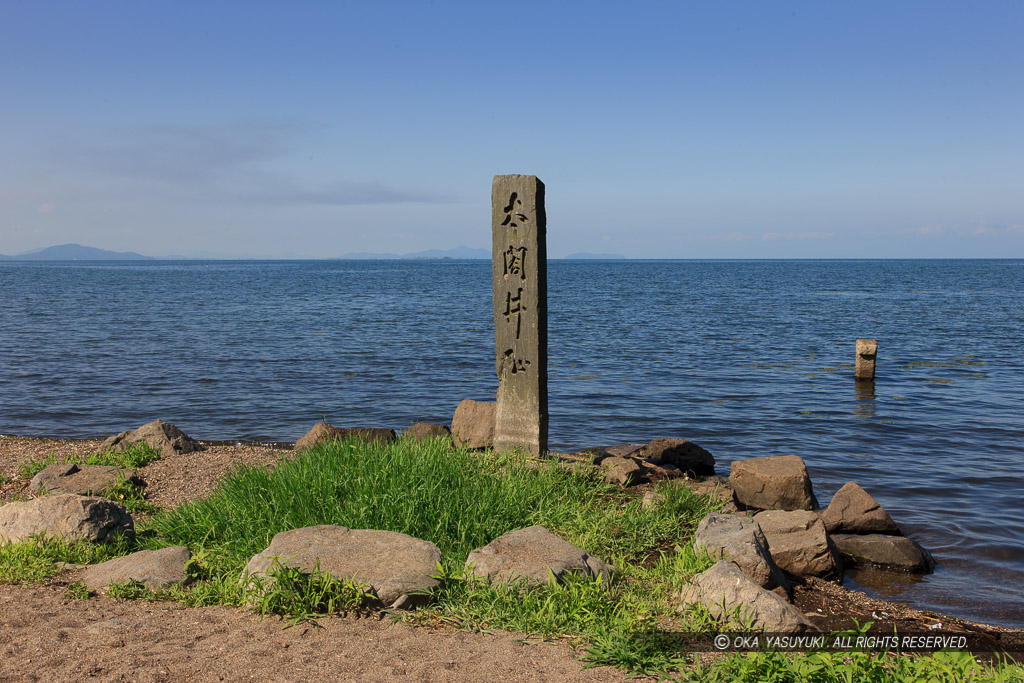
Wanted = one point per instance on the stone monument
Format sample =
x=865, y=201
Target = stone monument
x=519, y=266
x=864, y=369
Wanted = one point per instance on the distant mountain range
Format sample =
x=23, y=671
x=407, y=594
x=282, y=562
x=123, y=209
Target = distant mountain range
x=76, y=252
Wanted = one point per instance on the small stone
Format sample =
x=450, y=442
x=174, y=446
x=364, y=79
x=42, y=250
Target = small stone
x=626, y=472
x=323, y=433
x=473, y=424
x=155, y=569
x=741, y=540
x=724, y=589
x=534, y=554
x=773, y=483
x=684, y=454
x=82, y=480
x=799, y=544
x=163, y=437
x=623, y=450
x=897, y=553
x=426, y=430
x=65, y=516
x=854, y=511
x=395, y=567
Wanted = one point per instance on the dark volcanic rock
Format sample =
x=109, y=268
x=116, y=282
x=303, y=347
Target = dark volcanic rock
x=686, y=455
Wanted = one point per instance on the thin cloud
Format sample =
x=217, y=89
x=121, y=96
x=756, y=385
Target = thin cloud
x=46, y=207
x=796, y=236
x=234, y=163
x=978, y=229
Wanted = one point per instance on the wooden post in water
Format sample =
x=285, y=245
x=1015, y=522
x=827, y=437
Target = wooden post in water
x=864, y=369
x=519, y=268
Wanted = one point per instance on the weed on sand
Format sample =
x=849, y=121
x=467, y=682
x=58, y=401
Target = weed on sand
x=135, y=456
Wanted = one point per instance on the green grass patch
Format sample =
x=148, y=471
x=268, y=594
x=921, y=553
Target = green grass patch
x=459, y=500
x=860, y=667
x=135, y=456
x=32, y=467
x=39, y=558
x=129, y=494
x=290, y=592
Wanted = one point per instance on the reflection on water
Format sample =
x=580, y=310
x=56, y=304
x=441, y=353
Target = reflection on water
x=865, y=398
x=886, y=584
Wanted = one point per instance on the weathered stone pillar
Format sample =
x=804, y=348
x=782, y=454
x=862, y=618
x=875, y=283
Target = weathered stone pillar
x=867, y=349
x=519, y=266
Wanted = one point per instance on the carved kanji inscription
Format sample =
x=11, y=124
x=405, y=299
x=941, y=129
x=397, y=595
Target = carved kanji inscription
x=519, y=267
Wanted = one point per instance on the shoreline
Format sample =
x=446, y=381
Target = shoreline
x=173, y=480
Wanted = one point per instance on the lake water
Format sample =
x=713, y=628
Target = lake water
x=747, y=358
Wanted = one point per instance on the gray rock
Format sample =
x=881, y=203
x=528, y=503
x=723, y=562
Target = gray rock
x=724, y=588
x=324, y=433
x=624, y=471
x=320, y=433
x=716, y=488
x=887, y=552
x=161, y=436
x=777, y=482
x=155, y=569
x=426, y=430
x=686, y=455
x=392, y=565
x=82, y=480
x=799, y=544
x=66, y=516
x=473, y=424
x=663, y=471
x=530, y=554
x=626, y=450
x=854, y=511
x=740, y=539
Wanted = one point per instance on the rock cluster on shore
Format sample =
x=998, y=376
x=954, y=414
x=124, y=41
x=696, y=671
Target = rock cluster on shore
x=769, y=534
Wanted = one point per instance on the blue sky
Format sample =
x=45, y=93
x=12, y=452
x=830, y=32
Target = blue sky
x=664, y=130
